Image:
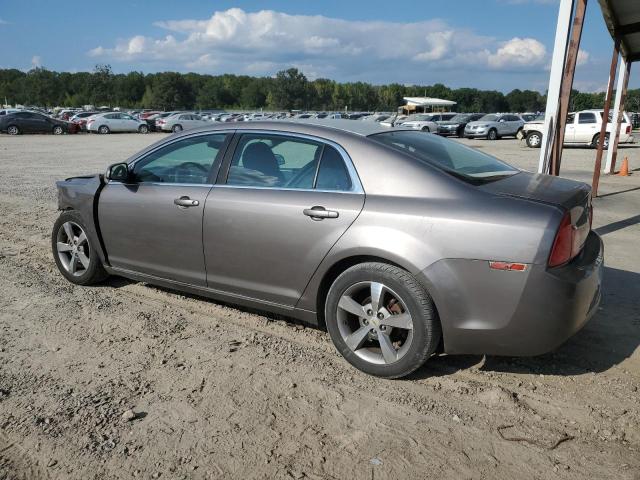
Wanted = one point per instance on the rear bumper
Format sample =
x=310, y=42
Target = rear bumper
x=495, y=312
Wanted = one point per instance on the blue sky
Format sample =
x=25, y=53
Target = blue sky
x=497, y=44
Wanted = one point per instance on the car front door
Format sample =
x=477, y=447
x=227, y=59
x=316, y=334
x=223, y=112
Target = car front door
x=152, y=224
x=272, y=218
x=570, y=129
x=129, y=123
x=502, y=126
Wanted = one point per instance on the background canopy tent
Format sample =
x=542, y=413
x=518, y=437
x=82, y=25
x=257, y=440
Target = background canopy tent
x=425, y=104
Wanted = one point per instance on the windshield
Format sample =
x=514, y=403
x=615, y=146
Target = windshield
x=461, y=117
x=463, y=162
x=489, y=118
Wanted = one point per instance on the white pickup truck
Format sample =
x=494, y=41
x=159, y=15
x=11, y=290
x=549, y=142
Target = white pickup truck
x=583, y=128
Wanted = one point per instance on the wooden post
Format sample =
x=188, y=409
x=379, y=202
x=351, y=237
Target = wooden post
x=560, y=46
x=605, y=118
x=567, y=85
x=618, y=110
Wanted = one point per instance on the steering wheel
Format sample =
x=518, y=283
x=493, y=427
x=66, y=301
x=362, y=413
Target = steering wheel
x=186, y=166
x=193, y=164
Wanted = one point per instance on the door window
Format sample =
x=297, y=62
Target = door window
x=587, y=117
x=274, y=161
x=333, y=174
x=185, y=161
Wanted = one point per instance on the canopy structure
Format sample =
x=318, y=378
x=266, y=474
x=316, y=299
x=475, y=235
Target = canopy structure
x=623, y=21
x=622, y=18
x=428, y=102
x=425, y=104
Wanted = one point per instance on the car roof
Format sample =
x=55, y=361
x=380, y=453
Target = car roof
x=351, y=126
x=333, y=130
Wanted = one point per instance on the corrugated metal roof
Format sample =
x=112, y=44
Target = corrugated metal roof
x=623, y=21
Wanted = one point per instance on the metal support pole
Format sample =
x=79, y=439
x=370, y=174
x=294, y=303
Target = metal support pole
x=567, y=85
x=555, y=82
x=618, y=110
x=605, y=117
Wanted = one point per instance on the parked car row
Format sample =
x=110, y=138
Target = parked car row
x=18, y=122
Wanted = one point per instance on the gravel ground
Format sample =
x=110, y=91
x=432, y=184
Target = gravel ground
x=125, y=380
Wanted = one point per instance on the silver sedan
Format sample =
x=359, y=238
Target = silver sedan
x=400, y=244
x=180, y=121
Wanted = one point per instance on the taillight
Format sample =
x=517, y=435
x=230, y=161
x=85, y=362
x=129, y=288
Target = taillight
x=628, y=130
x=563, y=243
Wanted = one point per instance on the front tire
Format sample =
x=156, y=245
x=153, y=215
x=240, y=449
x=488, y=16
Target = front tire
x=58, y=130
x=13, y=130
x=75, y=257
x=534, y=139
x=492, y=135
x=382, y=320
x=143, y=129
x=426, y=129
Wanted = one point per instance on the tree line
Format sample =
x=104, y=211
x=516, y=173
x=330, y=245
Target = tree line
x=287, y=90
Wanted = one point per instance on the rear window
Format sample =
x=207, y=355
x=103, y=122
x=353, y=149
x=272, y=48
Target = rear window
x=466, y=163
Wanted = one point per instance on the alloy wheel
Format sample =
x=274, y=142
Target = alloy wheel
x=57, y=130
x=375, y=323
x=73, y=248
x=13, y=130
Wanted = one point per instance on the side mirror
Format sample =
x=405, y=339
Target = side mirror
x=501, y=120
x=280, y=159
x=118, y=172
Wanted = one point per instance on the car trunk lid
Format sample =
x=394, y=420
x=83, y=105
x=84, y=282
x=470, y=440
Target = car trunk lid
x=573, y=197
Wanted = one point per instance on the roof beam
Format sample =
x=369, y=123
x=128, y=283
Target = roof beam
x=628, y=29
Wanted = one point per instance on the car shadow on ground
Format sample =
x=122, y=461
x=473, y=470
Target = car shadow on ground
x=610, y=337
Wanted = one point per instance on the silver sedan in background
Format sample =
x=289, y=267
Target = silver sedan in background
x=181, y=121
x=400, y=243
x=116, y=122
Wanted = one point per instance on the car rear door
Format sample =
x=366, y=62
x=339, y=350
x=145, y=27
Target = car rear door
x=152, y=224
x=279, y=205
x=586, y=127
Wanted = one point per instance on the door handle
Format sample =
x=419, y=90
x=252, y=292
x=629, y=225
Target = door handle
x=318, y=213
x=184, y=202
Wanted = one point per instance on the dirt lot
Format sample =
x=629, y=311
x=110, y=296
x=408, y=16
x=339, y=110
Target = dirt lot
x=221, y=393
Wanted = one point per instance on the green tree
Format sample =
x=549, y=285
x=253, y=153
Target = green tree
x=289, y=90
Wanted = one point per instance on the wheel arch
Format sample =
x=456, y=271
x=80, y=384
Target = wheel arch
x=341, y=265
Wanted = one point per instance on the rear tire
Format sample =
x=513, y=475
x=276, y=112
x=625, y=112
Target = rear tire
x=176, y=128
x=103, y=129
x=13, y=130
x=492, y=135
x=75, y=257
x=143, y=129
x=596, y=139
x=426, y=129
x=406, y=323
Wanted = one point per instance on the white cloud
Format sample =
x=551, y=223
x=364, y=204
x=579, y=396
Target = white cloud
x=518, y=52
x=583, y=57
x=265, y=41
x=36, y=61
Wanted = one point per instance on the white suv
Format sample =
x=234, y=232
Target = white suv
x=583, y=128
